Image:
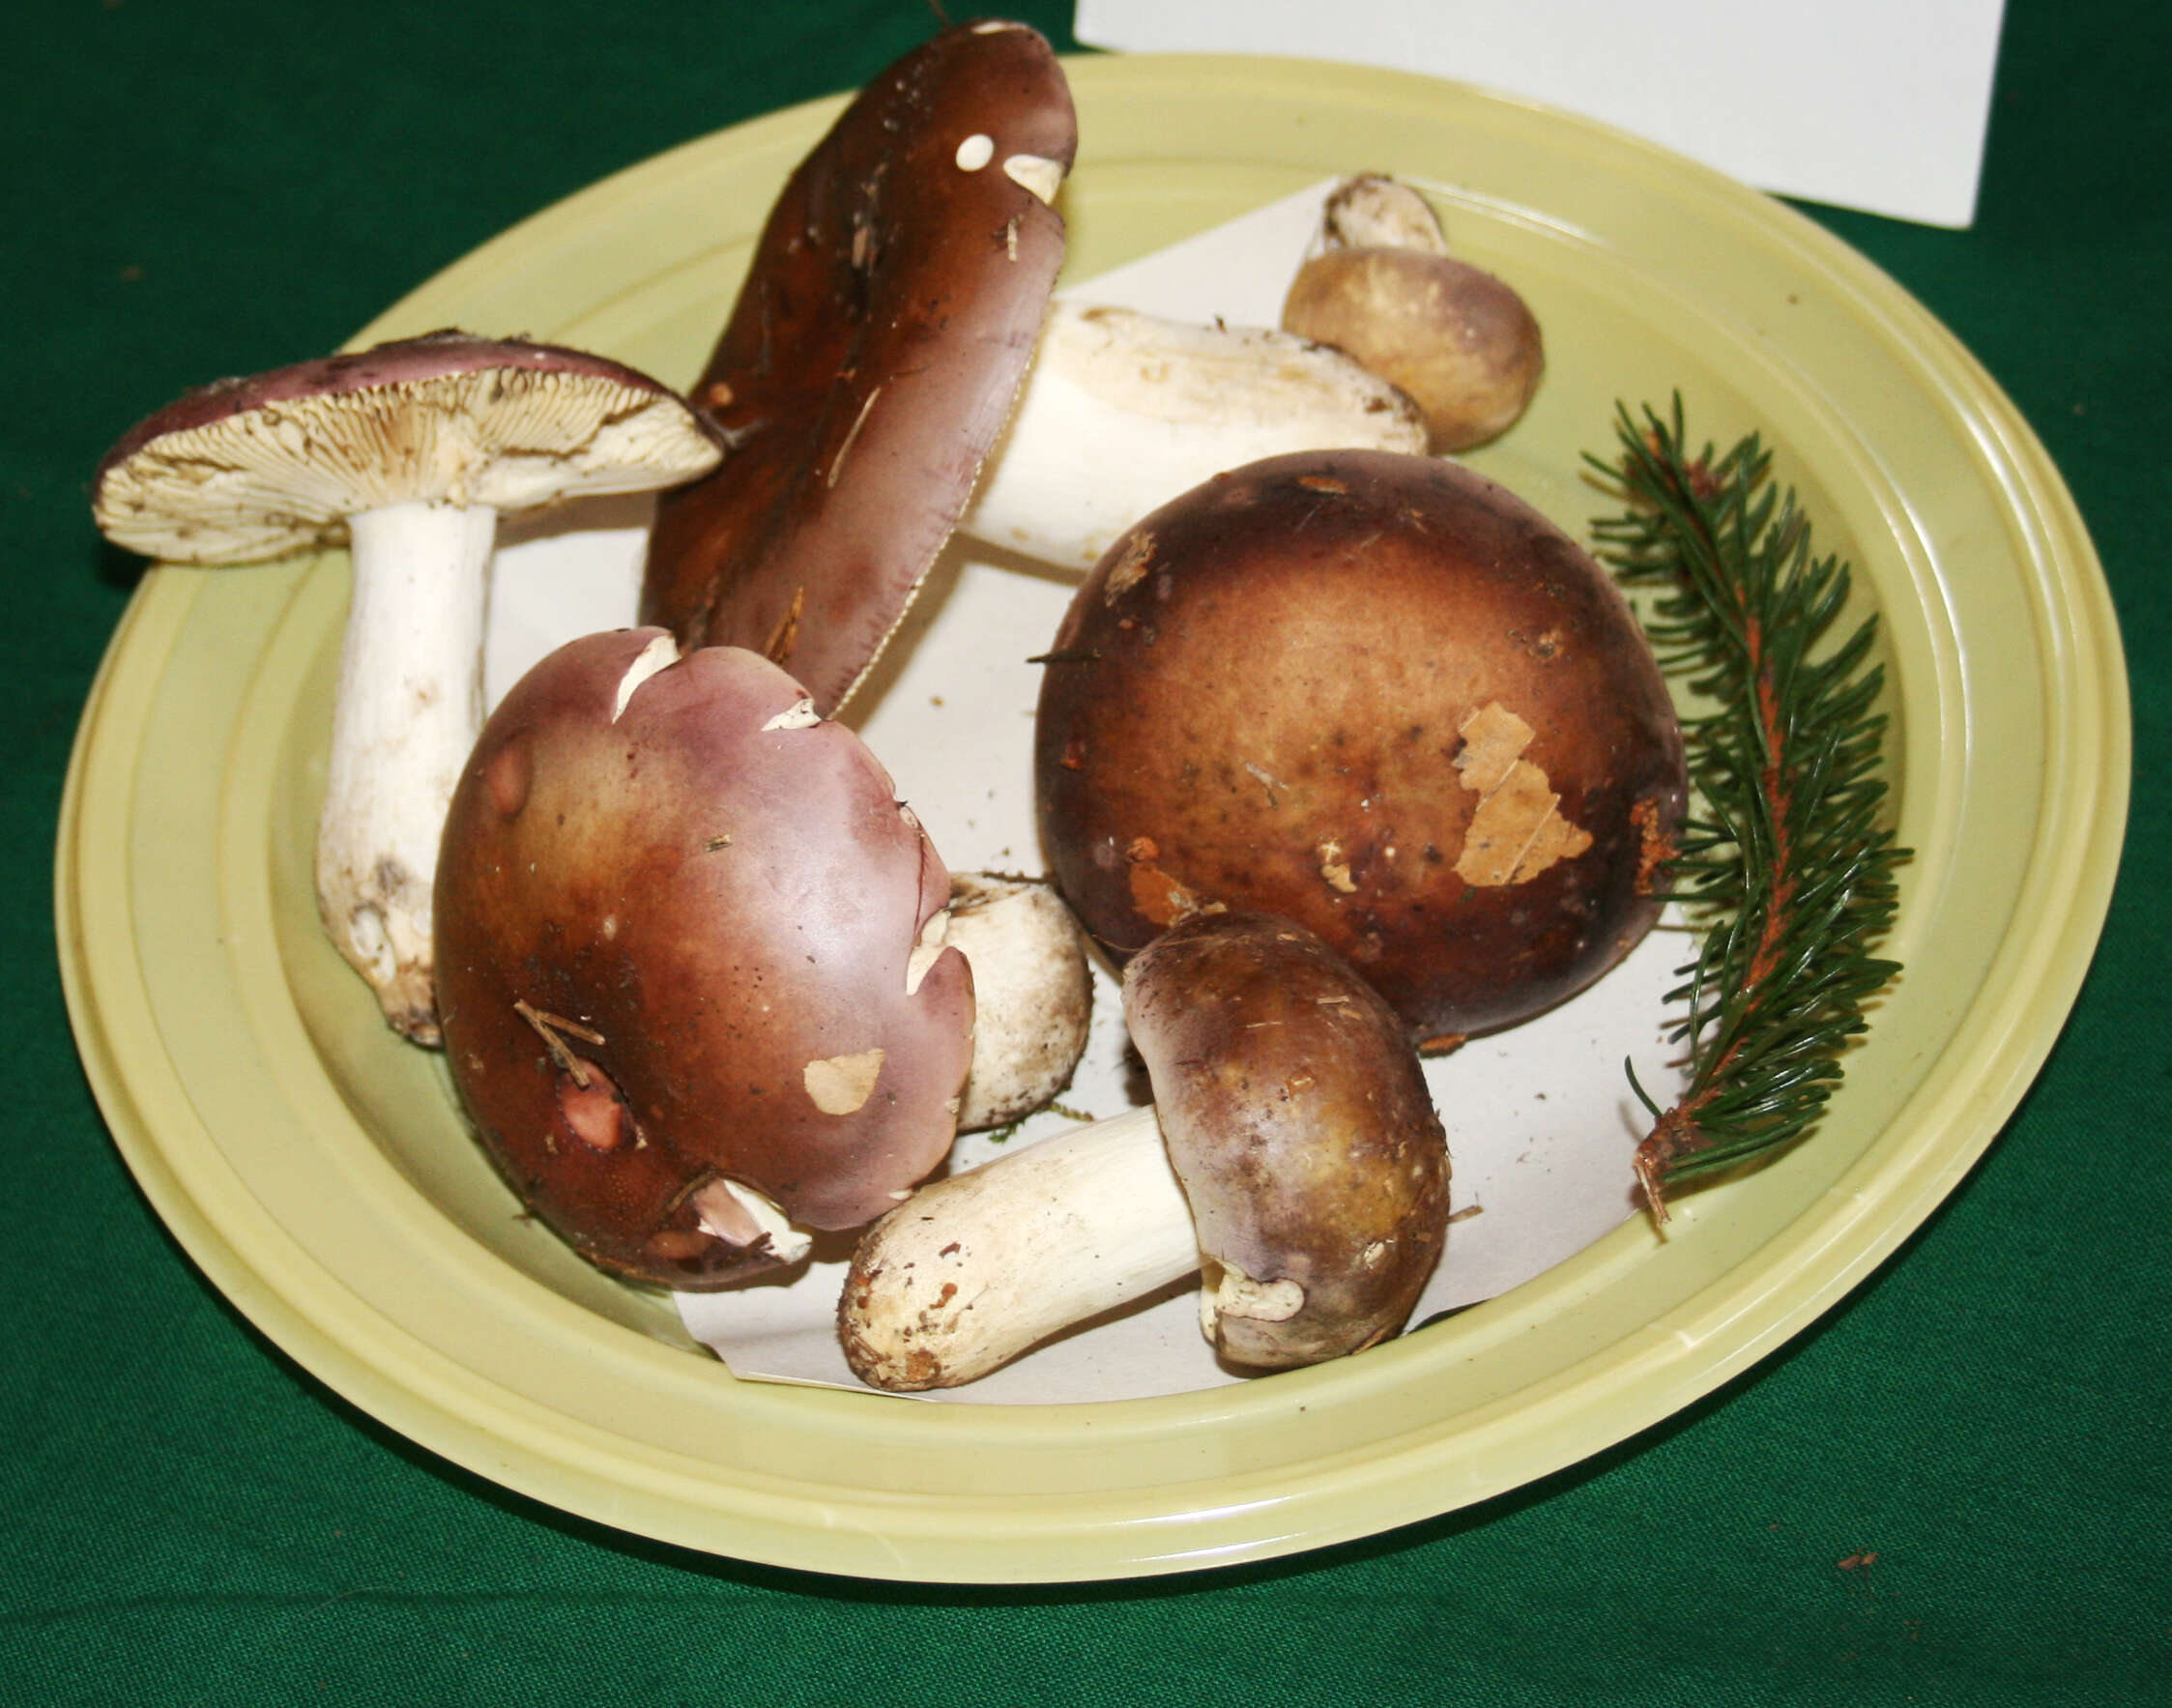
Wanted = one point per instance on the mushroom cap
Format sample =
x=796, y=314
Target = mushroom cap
x=721, y=912
x=1460, y=341
x=1297, y=1118
x=871, y=358
x=247, y=469
x=1378, y=695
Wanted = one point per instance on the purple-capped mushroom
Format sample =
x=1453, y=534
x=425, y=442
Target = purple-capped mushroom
x=408, y=452
x=690, y=962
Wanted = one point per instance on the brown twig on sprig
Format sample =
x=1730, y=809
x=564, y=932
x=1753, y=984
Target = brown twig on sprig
x=1783, y=861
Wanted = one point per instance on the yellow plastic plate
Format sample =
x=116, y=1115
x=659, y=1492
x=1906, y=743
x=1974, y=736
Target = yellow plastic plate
x=314, y=1168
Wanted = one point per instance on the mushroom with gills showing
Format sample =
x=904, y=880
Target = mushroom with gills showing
x=1293, y=1154
x=409, y=452
x=1384, y=288
x=690, y=965
x=1378, y=695
x=870, y=358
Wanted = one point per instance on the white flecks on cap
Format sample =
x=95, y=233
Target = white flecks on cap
x=1042, y=176
x=801, y=714
x=841, y=1084
x=976, y=152
x=658, y=654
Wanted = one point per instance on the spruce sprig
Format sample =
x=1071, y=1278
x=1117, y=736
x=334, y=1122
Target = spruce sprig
x=1782, y=862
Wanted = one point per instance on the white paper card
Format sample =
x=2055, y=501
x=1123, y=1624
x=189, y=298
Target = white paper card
x=1859, y=102
x=1541, y=1120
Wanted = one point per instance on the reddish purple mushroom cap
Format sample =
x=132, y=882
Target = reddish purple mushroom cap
x=684, y=938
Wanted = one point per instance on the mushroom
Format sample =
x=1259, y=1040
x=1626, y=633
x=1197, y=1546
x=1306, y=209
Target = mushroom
x=1122, y=411
x=1305, y=1172
x=1031, y=986
x=1378, y=695
x=408, y=450
x=871, y=357
x=690, y=963
x=1385, y=289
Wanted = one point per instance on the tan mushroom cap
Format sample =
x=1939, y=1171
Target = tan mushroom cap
x=1378, y=695
x=871, y=358
x=243, y=469
x=687, y=933
x=1298, y=1119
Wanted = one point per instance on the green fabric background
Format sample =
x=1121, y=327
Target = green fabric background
x=189, y=1518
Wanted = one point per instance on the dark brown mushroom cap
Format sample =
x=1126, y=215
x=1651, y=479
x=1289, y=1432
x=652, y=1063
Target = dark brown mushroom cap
x=872, y=357
x=246, y=469
x=1378, y=695
x=1297, y=1118
x=711, y=904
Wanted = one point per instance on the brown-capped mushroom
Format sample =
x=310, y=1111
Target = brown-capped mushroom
x=1378, y=695
x=690, y=962
x=1305, y=1173
x=871, y=358
x=1384, y=288
x=408, y=452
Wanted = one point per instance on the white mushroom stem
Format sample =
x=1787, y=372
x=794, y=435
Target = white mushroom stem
x=969, y=1272
x=408, y=710
x=1122, y=412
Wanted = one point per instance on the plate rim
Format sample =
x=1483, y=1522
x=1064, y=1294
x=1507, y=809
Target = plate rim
x=955, y=1543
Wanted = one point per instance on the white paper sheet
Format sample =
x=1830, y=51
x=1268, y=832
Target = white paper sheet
x=1859, y=102
x=1541, y=1120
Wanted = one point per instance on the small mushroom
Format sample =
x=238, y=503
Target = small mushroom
x=1305, y=1173
x=690, y=963
x=1122, y=411
x=1032, y=990
x=1384, y=288
x=1378, y=695
x=871, y=357
x=408, y=452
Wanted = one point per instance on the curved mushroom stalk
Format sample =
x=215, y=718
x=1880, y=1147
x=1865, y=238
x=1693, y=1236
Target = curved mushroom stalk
x=1293, y=1154
x=408, y=711
x=1122, y=411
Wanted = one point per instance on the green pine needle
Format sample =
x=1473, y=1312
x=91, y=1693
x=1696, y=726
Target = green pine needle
x=1783, y=861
